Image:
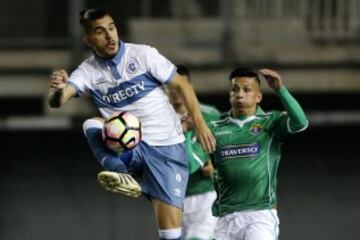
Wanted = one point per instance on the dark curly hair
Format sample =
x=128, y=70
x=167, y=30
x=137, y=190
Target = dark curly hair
x=87, y=16
x=244, y=72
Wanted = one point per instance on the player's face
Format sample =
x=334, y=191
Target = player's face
x=245, y=94
x=103, y=37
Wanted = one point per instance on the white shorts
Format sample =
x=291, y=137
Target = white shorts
x=248, y=225
x=198, y=221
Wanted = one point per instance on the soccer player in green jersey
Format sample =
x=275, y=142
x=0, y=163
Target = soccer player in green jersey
x=247, y=156
x=198, y=222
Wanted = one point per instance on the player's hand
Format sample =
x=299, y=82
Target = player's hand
x=58, y=80
x=206, y=139
x=273, y=78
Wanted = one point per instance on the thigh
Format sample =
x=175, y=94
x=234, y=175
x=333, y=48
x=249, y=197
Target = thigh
x=165, y=173
x=167, y=216
x=264, y=226
x=195, y=203
x=227, y=228
x=200, y=225
x=198, y=221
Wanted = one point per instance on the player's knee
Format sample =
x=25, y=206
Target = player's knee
x=170, y=234
x=93, y=123
x=109, y=160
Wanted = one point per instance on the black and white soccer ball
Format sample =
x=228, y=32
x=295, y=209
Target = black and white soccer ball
x=122, y=131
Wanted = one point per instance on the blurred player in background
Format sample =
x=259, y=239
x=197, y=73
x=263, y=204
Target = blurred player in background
x=247, y=156
x=198, y=222
x=128, y=77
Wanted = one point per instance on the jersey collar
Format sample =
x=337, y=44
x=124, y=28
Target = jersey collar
x=115, y=60
x=258, y=112
x=242, y=120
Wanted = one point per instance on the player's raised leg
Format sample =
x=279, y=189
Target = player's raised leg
x=119, y=183
x=116, y=179
x=107, y=158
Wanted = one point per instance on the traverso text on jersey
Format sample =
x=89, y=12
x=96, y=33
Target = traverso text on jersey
x=240, y=151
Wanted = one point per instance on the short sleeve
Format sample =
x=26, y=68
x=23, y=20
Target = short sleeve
x=159, y=66
x=77, y=79
x=197, y=157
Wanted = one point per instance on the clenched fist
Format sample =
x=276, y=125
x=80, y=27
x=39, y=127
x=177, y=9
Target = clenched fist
x=58, y=80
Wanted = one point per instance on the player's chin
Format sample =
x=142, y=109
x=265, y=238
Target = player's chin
x=238, y=105
x=110, y=53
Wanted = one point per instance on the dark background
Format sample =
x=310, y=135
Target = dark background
x=48, y=186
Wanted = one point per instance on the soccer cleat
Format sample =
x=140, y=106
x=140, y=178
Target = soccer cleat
x=119, y=183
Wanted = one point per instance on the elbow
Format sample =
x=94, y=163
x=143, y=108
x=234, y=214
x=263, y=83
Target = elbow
x=54, y=104
x=298, y=126
x=303, y=126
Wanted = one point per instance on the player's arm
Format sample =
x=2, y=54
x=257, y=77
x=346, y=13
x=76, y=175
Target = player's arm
x=204, y=135
x=60, y=92
x=296, y=115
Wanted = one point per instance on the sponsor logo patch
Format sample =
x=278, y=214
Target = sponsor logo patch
x=102, y=85
x=177, y=192
x=245, y=150
x=125, y=93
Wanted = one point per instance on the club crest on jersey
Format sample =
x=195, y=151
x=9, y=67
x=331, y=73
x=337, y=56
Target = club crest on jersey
x=132, y=66
x=256, y=129
x=243, y=150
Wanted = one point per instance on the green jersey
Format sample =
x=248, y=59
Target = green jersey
x=247, y=156
x=198, y=183
x=210, y=113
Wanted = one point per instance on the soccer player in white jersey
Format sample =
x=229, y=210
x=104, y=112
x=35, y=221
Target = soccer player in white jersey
x=128, y=77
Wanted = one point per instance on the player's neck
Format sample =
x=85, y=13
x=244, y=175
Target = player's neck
x=242, y=114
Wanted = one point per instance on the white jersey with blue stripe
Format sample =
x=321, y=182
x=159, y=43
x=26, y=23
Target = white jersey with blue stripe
x=136, y=88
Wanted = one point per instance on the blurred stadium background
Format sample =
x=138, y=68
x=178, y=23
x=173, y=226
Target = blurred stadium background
x=48, y=187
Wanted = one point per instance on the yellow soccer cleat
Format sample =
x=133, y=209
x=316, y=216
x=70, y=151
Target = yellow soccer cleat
x=119, y=183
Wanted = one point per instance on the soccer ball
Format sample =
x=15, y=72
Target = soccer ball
x=122, y=131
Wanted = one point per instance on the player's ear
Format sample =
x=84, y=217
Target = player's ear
x=259, y=96
x=87, y=40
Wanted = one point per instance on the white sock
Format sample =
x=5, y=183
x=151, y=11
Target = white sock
x=173, y=233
